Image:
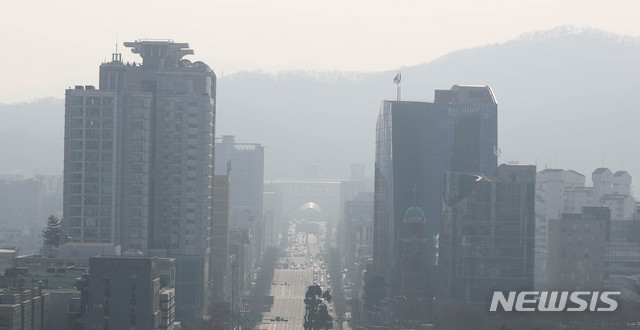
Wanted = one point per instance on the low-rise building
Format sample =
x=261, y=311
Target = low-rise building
x=24, y=309
x=125, y=292
x=577, y=245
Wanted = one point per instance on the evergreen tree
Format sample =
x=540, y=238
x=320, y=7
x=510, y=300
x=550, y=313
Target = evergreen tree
x=52, y=234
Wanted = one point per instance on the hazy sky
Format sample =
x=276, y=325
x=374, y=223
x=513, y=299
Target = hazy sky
x=48, y=46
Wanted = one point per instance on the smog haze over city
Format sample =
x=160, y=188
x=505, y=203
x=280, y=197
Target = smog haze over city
x=287, y=165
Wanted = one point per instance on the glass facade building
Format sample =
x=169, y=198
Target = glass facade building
x=622, y=257
x=416, y=143
x=487, y=234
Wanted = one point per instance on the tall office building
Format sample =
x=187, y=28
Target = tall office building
x=245, y=165
x=417, y=142
x=487, y=233
x=138, y=162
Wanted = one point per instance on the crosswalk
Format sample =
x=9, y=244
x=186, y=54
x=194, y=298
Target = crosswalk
x=289, y=297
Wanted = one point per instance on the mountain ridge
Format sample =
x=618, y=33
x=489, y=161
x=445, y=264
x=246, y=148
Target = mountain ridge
x=566, y=99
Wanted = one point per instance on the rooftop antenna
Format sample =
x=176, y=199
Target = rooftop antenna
x=396, y=81
x=116, y=57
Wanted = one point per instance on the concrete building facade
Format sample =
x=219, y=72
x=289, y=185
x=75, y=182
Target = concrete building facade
x=26, y=309
x=138, y=162
x=126, y=292
x=577, y=249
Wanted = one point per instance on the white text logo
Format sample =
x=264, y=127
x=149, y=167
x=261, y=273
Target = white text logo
x=555, y=301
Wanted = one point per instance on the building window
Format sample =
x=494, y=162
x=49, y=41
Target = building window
x=92, y=167
x=75, y=188
x=76, y=167
x=90, y=222
x=77, y=122
x=93, y=123
x=91, y=211
x=76, y=155
x=91, y=156
x=138, y=114
x=105, y=188
x=91, y=200
x=106, y=167
x=93, y=112
x=76, y=134
x=138, y=103
x=105, y=211
x=75, y=145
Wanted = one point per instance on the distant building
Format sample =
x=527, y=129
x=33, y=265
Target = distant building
x=26, y=203
x=138, y=162
x=559, y=191
x=486, y=241
x=416, y=143
x=577, y=246
x=613, y=190
x=622, y=257
x=309, y=199
x=356, y=234
x=273, y=213
x=357, y=229
x=24, y=309
x=127, y=292
x=245, y=165
x=219, y=257
x=6, y=258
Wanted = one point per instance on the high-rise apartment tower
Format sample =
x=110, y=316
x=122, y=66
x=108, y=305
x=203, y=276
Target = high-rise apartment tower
x=138, y=162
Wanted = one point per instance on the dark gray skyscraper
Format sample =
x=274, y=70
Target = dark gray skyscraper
x=487, y=233
x=416, y=143
x=138, y=165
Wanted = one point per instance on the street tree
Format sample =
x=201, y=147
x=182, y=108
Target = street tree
x=316, y=315
x=52, y=234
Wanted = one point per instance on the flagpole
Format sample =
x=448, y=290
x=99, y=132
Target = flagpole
x=396, y=81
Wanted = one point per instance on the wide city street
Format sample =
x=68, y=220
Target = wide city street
x=293, y=275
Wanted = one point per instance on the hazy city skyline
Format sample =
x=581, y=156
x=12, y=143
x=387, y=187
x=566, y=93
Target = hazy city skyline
x=275, y=35
x=453, y=196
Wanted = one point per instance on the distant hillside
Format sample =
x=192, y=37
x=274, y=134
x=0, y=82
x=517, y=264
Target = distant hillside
x=566, y=99
x=31, y=136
